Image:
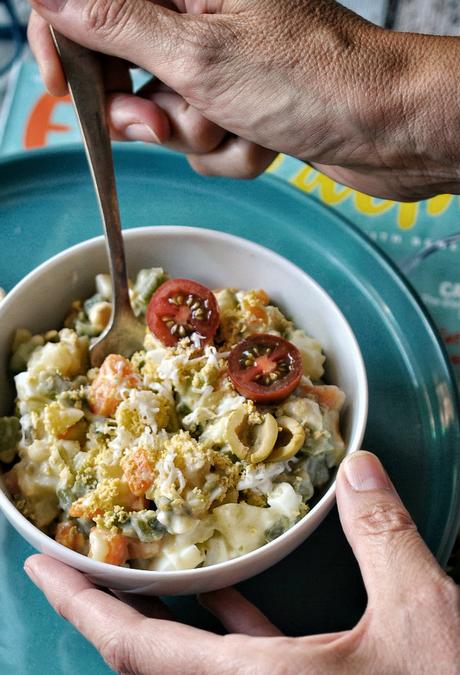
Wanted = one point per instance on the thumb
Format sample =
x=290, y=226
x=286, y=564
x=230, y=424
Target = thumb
x=140, y=31
x=391, y=554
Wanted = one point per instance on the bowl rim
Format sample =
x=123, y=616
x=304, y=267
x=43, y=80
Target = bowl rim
x=324, y=503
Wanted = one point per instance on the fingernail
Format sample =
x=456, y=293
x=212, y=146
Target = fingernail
x=365, y=472
x=31, y=574
x=140, y=132
x=51, y=5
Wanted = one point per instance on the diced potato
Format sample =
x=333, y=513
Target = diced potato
x=68, y=357
x=58, y=419
x=104, y=286
x=180, y=559
x=226, y=299
x=310, y=350
x=305, y=411
x=243, y=526
x=99, y=315
x=216, y=550
x=142, y=551
x=285, y=501
x=24, y=344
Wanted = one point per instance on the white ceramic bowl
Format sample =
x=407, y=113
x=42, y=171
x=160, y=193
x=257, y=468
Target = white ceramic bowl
x=42, y=299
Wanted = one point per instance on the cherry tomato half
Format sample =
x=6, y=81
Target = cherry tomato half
x=265, y=368
x=183, y=308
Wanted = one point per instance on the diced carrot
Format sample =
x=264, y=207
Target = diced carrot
x=259, y=312
x=105, y=393
x=138, y=471
x=262, y=296
x=107, y=546
x=256, y=310
x=327, y=395
x=69, y=535
x=117, y=550
x=84, y=508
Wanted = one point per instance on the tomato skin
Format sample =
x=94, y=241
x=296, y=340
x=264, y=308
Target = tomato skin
x=180, y=308
x=259, y=357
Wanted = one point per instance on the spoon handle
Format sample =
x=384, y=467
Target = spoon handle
x=83, y=71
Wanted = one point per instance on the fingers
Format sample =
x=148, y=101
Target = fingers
x=147, y=605
x=237, y=614
x=190, y=131
x=125, y=638
x=392, y=557
x=142, y=32
x=77, y=600
x=159, y=39
x=168, y=118
x=136, y=119
x=42, y=46
x=162, y=116
x=235, y=158
x=116, y=72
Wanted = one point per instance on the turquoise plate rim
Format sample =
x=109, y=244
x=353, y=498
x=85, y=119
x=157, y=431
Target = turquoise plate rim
x=453, y=520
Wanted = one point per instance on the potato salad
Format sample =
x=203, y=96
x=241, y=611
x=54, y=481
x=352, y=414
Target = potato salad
x=206, y=444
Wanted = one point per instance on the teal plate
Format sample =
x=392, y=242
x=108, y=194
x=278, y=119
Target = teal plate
x=47, y=204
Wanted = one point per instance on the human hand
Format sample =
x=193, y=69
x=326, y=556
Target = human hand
x=239, y=80
x=411, y=624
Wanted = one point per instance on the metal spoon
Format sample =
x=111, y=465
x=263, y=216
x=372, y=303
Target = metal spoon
x=124, y=333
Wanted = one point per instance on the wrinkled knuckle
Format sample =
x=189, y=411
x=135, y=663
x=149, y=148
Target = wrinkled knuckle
x=385, y=518
x=113, y=649
x=105, y=17
x=351, y=644
x=62, y=606
x=66, y=604
x=203, y=134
